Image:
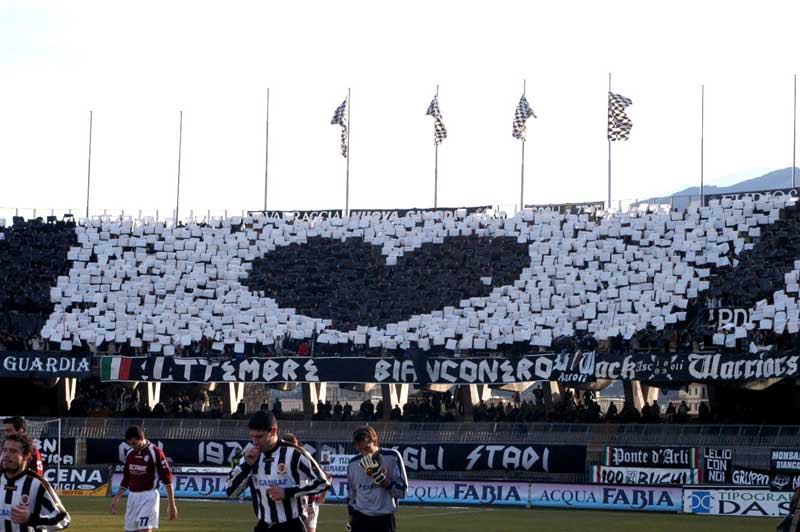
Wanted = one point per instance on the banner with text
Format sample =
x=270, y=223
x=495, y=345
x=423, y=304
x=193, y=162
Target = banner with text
x=79, y=480
x=651, y=499
x=786, y=460
x=498, y=456
x=663, y=457
x=644, y=476
x=759, y=195
x=750, y=502
x=430, y=457
x=760, y=478
x=39, y=365
x=49, y=449
x=466, y=493
x=717, y=465
x=566, y=368
x=393, y=214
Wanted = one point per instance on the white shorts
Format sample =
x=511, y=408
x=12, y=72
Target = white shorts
x=142, y=510
x=312, y=514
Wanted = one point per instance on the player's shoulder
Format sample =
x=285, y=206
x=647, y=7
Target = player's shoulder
x=152, y=447
x=297, y=448
x=34, y=475
x=393, y=453
x=354, y=459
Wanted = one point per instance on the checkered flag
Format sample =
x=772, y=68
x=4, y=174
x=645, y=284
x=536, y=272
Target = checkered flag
x=340, y=119
x=523, y=113
x=439, y=131
x=619, y=125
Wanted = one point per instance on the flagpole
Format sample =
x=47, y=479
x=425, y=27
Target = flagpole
x=436, y=165
x=609, y=151
x=794, y=133
x=702, y=139
x=89, y=169
x=180, y=148
x=522, y=162
x=347, y=171
x=266, y=157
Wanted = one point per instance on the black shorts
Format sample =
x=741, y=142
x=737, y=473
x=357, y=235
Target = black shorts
x=372, y=523
x=295, y=525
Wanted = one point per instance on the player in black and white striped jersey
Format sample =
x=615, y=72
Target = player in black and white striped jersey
x=279, y=475
x=27, y=501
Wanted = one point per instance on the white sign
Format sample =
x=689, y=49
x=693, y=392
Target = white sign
x=335, y=464
x=749, y=502
x=644, y=476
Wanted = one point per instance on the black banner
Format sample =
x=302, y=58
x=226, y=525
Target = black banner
x=393, y=214
x=427, y=457
x=572, y=368
x=589, y=207
x=760, y=195
x=41, y=365
x=300, y=215
x=566, y=368
x=663, y=457
x=717, y=465
x=179, y=451
x=774, y=480
x=785, y=460
x=495, y=456
x=49, y=449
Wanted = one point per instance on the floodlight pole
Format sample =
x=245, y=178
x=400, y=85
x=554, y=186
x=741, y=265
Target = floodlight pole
x=89, y=169
x=180, y=148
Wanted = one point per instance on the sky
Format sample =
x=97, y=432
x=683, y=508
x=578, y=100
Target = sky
x=136, y=65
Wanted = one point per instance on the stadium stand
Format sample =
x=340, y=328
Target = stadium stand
x=547, y=281
x=542, y=281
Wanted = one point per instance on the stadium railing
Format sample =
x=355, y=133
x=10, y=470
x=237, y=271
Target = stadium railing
x=750, y=443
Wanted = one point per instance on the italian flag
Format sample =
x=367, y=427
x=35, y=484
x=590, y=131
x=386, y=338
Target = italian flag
x=116, y=368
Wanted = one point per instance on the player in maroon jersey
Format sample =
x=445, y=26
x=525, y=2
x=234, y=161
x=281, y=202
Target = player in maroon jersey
x=14, y=425
x=145, y=467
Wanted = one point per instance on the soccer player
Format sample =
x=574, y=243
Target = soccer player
x=145, y=466
x=278, y=474
x=377, y=481
x=311, y=503
x=28, y=502
x=14, y=425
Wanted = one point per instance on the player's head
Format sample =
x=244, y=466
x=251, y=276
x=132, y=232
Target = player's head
x=13, y=425
x=291, y=438
x=365, y=440
x=134, y=436
x=263, y=430
x=17, y=450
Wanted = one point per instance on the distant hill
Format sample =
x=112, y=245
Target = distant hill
x=776, y=179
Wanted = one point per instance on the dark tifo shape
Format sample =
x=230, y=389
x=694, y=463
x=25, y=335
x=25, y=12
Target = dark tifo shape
x=760, y=272
x=32, y=256
x=349, y=282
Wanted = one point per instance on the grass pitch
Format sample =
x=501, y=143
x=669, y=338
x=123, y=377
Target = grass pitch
x=92, y=514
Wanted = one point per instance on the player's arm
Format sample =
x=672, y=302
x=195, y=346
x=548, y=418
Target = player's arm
x=123, y=488
x=398, y=480
x=308, y=471
x=352, y=484
x=36, y=458
x=237, y=478
x=165, y=476
x=46, y=511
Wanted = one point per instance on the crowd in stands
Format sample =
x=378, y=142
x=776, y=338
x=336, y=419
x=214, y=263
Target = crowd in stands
x=98, y=399
x=537, y=281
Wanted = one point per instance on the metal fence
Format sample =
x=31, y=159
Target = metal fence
x=751, y=444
